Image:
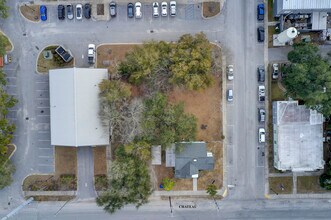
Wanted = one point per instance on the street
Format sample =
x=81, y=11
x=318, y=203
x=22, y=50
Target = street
x=235, y=30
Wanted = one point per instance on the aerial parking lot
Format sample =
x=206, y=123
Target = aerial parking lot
x=183, y=12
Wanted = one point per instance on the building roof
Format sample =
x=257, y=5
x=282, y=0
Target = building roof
x=306, y=4
x=192, y=158
x=156, y=155
x=298, y=137
x=74, y=107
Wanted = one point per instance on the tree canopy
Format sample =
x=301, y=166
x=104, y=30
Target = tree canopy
x=187, y=62
x=164, y=123
x=129, y=182
x=3, y=9
x=308, y=78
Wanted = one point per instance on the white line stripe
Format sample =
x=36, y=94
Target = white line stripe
x=44, y=156
x=43, y=132
x=44, y=165
x=45, y=148
x=42, y=98
x=43, y=115
x=43, y=140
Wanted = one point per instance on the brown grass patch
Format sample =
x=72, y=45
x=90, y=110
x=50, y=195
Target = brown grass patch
x=53, y=198
x=44, y=65
x=30, y=12
x=276, y=183
x=112, y=54
x=207, y=177
x=100, y=9
x=211, y=9
x=65, y=160
x=100, y=163
x=310, y=184
x=205, y=106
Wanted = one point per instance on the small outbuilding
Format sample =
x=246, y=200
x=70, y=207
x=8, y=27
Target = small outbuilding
x=74, y=107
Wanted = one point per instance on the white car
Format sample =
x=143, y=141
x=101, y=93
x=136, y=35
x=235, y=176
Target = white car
x=230, y=72
x=138, y=11
x=173, y=8
x=79, y=11
x=164, y=9
x=155, y=9
x=261, y=135
x=230, y=95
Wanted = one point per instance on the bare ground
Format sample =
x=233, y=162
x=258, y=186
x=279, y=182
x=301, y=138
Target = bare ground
x=65, y=160
x=30, y=12
x=100, y=163
x=211, y=9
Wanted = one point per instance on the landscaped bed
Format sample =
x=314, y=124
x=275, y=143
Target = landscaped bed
x=100, y=162
x=30, y=12
x=52, y=198
x=7, y=44
x=65, y=161
x=309, y=184
x=44, y=65
x=280, y=185
x=211, y=9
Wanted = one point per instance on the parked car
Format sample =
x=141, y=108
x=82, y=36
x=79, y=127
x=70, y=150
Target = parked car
x=130, y=10
x=155, y=9
x=87, y=10
x=230, y=95
x=79, y=11
x=261, y=93
x=260, y=34
x=164, y=9
x=261, y=114
x=260, y=12
x=112, y=9
x=172, y=8
x=138, y=11
x=91, y=53
x=260, y=74
x=43, y=12
x=261, y=135
x=275, y=71
x=70, y=12
x=230, y=72
x=61, y=12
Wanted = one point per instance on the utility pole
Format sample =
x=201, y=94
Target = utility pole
x=15, y=211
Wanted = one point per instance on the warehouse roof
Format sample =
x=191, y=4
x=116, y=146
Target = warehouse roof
x=74, y=107
x=298, y=137
x=306, y=4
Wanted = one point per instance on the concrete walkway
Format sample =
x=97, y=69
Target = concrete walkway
x=85, y=177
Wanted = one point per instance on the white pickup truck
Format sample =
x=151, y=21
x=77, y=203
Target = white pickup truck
x=91, y=53
x=261, y=93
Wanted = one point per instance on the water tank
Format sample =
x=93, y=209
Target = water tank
x=287, y=35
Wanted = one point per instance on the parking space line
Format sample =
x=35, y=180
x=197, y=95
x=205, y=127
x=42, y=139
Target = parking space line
x=43, y=115
x=44, y=107
x=44, y=140
x=41, y=82
x=43, y=132
x=44, y=165
x=45, y=148
x=45, y=157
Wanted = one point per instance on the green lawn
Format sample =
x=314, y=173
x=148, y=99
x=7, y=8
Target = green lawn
x=270, y=10
x=276, y=93
x=276, y=184
x=309, y=184
x=6, y=41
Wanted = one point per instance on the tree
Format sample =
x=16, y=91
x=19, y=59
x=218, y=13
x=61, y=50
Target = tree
x=168, y=184
x=129, y=182
x=4, y=9
x=6, y=170
x=191, y=62
x=211, y=190
x=140, y=149
x=164, y=123
x=308, y=78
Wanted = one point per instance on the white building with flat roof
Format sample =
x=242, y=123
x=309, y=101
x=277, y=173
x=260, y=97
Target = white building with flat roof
x=74, y=107
x=297, y=137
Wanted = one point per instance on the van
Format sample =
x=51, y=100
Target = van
x=261, y=135
x=260, y=34
x=230, y=95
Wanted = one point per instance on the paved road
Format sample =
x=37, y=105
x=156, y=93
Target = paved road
x=85, y=173
x=245, y=162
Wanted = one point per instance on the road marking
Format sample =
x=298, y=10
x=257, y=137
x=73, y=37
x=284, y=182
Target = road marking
x=42, y=98
x=44, y=165
x=45, y=148
x=43, y=132
x=43, y=115
x=44, y=140
x=44, y=107
x=44, y=156
x=41, y=82
x=42, y=90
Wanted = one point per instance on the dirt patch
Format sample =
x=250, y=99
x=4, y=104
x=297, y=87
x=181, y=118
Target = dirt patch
x=206, y=107
x=211, y=9
x=44, y=65
x=65, y=161
x=271, y=11
x=30, y=12
x=100, y=163
x=53, y=198
x=281, y=185
x=108, y=56
x=216, y=175
x=50, y=183
x=310, y=184
x=100, y=9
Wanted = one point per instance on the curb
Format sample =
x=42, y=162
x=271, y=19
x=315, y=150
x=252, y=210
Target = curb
x=208, y=18
x=12, y=153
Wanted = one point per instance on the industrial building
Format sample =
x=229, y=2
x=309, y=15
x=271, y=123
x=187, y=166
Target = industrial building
x=297, y=137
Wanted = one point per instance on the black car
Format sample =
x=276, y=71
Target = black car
x=112, y=9
x=130, y=10
x=87, y=10
x=260, y=74
x=61, y=12
x=260, y=34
